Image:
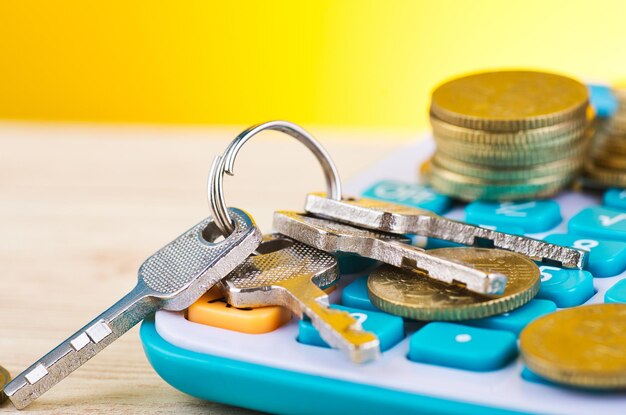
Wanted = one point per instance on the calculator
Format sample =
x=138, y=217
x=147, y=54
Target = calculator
x=465, y=367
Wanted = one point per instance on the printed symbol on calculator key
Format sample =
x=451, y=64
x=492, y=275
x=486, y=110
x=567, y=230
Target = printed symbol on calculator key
x=599, y=222
x=606, y=258
x=462, y=347
x=532, y=217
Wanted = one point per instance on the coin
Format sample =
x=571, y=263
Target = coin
x=469, y=189
x=583, y=346
x=506, y=156
x=411, y=293
x=5, y=378
x=605, y=177
x=530, y=138
x=504, y=173
x=509, y=100
x=610, y=160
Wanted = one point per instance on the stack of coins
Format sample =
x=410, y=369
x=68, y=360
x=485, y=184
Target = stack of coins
x=607, y=167
x=508, y=135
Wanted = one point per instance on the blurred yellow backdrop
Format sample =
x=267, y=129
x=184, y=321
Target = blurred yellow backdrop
x=353, y=63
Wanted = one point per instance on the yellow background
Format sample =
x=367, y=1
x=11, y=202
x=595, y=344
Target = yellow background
x=355, y=63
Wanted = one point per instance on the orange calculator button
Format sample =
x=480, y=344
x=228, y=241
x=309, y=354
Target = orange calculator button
x=211, y=309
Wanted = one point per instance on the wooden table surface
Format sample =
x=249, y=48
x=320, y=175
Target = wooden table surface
x=82, y=206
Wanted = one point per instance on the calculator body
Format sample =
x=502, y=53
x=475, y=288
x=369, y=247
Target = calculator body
x=274, y=372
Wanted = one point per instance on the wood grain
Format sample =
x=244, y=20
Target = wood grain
x=82, y=206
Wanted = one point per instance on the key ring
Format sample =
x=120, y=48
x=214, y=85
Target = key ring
x=225, y=164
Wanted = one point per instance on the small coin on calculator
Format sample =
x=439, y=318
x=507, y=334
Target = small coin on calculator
x=410, y=293
x=5, y=377
x=583, y=346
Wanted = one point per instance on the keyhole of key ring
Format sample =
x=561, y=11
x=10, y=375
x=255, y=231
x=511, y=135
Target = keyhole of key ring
x=225, y=164
x=212, y=234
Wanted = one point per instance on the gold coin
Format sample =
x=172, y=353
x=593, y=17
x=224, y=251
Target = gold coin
x=609, y=160
x=583, y=346
x=469, y=188
x=503, y=156
x=605, y=177
x=504, y=173
x=5, y=378
x=412, y=294
x=509, y=100
x=530, y=138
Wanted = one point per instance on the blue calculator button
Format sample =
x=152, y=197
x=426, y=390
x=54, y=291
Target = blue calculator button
x=532, y=216
x=411, y=194
x=603, y=100
x=617, y=293
x=462, y=347
x=565, y=287
x=599, y=222
x=615, y=198
x=355, y=295
x=515, y=321
x=606, y=258
x=388, y=328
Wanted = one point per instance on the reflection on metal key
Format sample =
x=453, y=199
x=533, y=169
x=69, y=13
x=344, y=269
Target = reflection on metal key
x=398, y=219
x=172, y=279
x=288, y=273
x=331, y=236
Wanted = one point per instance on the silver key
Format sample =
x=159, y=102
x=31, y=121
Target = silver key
x=331, y=236
x=288, y=273
x=173, y=278
x=398, y=219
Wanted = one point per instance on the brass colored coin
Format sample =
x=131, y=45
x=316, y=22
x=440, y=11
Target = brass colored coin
x=499, y=156
x=610, y=161
x=5, y=378
x=494, y=174
x=530, y=138
x=469, y=189
x=583, y=346
x=412, y=294
x=509, y=100
x=605, y=177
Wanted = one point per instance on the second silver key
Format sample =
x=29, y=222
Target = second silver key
x=399, y=219
x=288, y=273
x=331, y=236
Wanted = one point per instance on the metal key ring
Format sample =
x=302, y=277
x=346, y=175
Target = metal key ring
x=225, y=164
